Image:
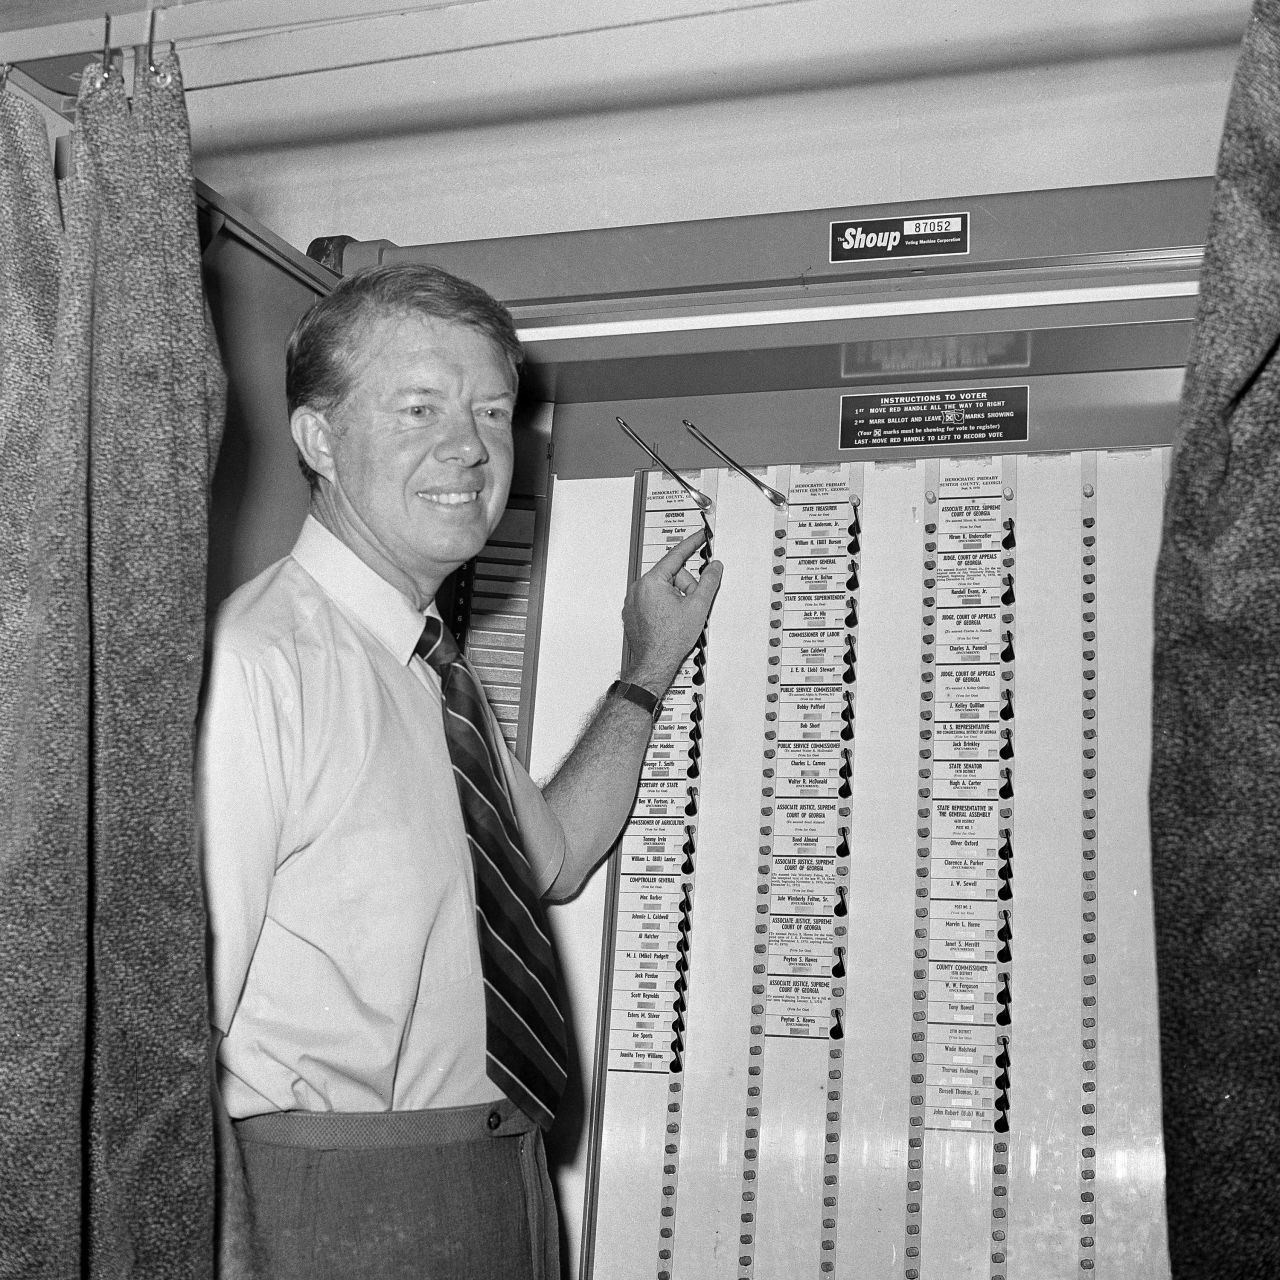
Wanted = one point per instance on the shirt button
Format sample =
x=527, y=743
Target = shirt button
x=494, y=1121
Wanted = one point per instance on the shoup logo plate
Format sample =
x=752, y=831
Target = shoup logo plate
x=919, y=236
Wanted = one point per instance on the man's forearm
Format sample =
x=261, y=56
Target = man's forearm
x=595, y=787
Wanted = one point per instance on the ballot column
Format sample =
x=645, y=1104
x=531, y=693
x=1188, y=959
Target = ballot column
x=962, y=1017
x=636, y=1129
x=795, y=1076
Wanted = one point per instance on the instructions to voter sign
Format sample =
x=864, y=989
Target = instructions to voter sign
x=967, y=415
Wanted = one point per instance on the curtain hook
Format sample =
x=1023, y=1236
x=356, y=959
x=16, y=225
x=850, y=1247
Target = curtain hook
x=104, y=72
x=163, y=78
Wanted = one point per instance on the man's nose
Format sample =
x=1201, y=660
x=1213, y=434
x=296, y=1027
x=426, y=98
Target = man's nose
x=460, y=439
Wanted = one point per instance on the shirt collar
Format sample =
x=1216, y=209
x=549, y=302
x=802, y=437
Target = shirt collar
x=368, y=597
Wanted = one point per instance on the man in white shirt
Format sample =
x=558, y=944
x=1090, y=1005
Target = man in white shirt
x=346, y=972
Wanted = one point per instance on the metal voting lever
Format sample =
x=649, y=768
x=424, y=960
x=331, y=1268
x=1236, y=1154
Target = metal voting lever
x=700, y=499
x=769, y=491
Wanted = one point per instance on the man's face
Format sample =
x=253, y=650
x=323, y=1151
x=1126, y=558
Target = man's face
x=420, y=448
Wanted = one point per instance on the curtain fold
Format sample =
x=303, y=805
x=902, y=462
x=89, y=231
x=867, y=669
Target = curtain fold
x=43, y=733
x=1215, y=786
x=113, y=659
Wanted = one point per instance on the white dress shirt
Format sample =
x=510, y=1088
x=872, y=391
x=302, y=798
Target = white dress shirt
x=345, y=966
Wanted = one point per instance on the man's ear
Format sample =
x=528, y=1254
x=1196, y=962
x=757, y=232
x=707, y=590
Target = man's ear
x=313, y=435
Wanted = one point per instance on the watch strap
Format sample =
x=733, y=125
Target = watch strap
x=637, y=694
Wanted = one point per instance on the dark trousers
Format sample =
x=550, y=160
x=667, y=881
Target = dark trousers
x=459, y=1193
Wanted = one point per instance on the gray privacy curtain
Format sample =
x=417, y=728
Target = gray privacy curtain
x=106, y=1129
x=42, y=734
x=1215, y=787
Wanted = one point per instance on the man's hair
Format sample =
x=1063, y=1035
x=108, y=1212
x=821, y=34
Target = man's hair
x=318, y=359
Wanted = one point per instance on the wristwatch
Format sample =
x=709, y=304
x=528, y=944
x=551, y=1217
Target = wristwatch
x=638, y=694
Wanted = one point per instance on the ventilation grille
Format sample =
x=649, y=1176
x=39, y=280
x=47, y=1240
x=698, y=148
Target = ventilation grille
x=495, y=603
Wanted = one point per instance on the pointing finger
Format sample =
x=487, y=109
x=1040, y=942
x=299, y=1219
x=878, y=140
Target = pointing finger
x=709, y=583
x=674, y=560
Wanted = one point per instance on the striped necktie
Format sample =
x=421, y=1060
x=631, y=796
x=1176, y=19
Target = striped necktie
x=526, y=1048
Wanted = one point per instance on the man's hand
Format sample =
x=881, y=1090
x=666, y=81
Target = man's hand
x=595, y=786
x=664, y=614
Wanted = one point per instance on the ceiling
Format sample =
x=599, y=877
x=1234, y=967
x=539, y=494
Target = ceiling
x=283, y=72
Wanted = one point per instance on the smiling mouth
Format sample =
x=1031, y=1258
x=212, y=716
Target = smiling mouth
x=450, y=499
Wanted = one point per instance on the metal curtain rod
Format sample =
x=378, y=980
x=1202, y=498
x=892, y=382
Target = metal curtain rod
x=297, y=39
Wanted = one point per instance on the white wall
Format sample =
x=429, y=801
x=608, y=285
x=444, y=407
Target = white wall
x=757, y=108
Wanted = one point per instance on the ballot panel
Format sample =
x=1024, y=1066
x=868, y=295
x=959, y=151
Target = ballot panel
x=876, y=986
